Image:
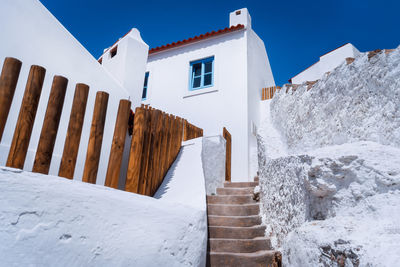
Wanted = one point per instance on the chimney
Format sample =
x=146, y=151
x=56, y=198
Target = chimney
x=240, y=16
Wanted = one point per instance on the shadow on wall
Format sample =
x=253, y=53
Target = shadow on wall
x=165, y=186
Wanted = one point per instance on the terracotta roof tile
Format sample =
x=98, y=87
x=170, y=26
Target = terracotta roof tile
x=195, y=39
x=185, y=41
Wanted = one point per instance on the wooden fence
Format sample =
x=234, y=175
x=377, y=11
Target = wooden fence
x=228, y=161
x=155, y=143
x=268, y=93
x=190, y=131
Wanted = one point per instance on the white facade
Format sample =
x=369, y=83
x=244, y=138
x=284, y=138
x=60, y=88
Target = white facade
x=128, y=64
x=326, y=63
x=34, y=36
x=241, y=69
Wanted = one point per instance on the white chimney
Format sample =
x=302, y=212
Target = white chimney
x=240, y=16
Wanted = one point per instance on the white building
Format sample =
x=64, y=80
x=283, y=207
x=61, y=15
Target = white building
x=214, y=80
x=327, y=62
x=54, y=48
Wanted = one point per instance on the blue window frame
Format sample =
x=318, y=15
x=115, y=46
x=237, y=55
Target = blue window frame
x=146, y=81
x=201, y=73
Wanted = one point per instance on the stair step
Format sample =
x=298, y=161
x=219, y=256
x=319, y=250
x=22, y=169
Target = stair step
x=234, y=221
x=236, y=232
x=231, y=199
x=240, y=184
x=235, y=191
x=265, y=258
x=233, y=210
x=239, y=245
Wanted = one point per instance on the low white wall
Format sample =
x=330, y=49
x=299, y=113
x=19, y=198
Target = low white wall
x=47, y=220
x=52, y=221
x=213, y=156
x=34, y=36
x=184, y=182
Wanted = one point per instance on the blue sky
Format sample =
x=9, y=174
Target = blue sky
x=295, y=33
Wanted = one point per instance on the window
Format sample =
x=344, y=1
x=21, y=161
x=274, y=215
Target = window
x=201, y=73
x=146, y=81
x=113, y=51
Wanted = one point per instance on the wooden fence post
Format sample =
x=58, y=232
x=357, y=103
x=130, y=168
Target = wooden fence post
x=96, y=138
x=228, y=164
x=73, y=138
x=51, y=122
x=117, y=147
x=136, y=152
x=26, y=118
x=8, y=83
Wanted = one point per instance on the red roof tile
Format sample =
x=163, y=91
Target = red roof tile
x=196, y=38
x=186, y=41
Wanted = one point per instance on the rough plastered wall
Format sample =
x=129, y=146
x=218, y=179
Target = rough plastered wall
x=334, y=200
x=52, y=221
x=213, y=156
x=359, y=101
x=329, y=166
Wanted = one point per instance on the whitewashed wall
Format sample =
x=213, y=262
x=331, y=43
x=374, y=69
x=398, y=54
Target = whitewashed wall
x=223, y=105
x=326, y=63
x=129, y=64
x=259, y=75
x=33, y=35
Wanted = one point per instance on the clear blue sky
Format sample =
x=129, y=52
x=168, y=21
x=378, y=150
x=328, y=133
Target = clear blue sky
x=295, y=33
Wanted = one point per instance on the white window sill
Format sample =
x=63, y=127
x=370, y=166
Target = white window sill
x=200, y=92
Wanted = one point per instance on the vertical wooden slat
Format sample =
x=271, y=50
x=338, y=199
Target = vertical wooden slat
x=51, y=122
x=8, y=82
x=160, y=174
x=95, y=138
x=143, y=181
x=156, y=154
x=136, y=152
x=179, y=137
x=185, y=131
x=228, y=164
x=164, y=143
x=73, y=138
x=171, y=139
x=118, y=143
x=26, y=118
x=152, y=169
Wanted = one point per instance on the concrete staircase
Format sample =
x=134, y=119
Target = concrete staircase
x=235, y=234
